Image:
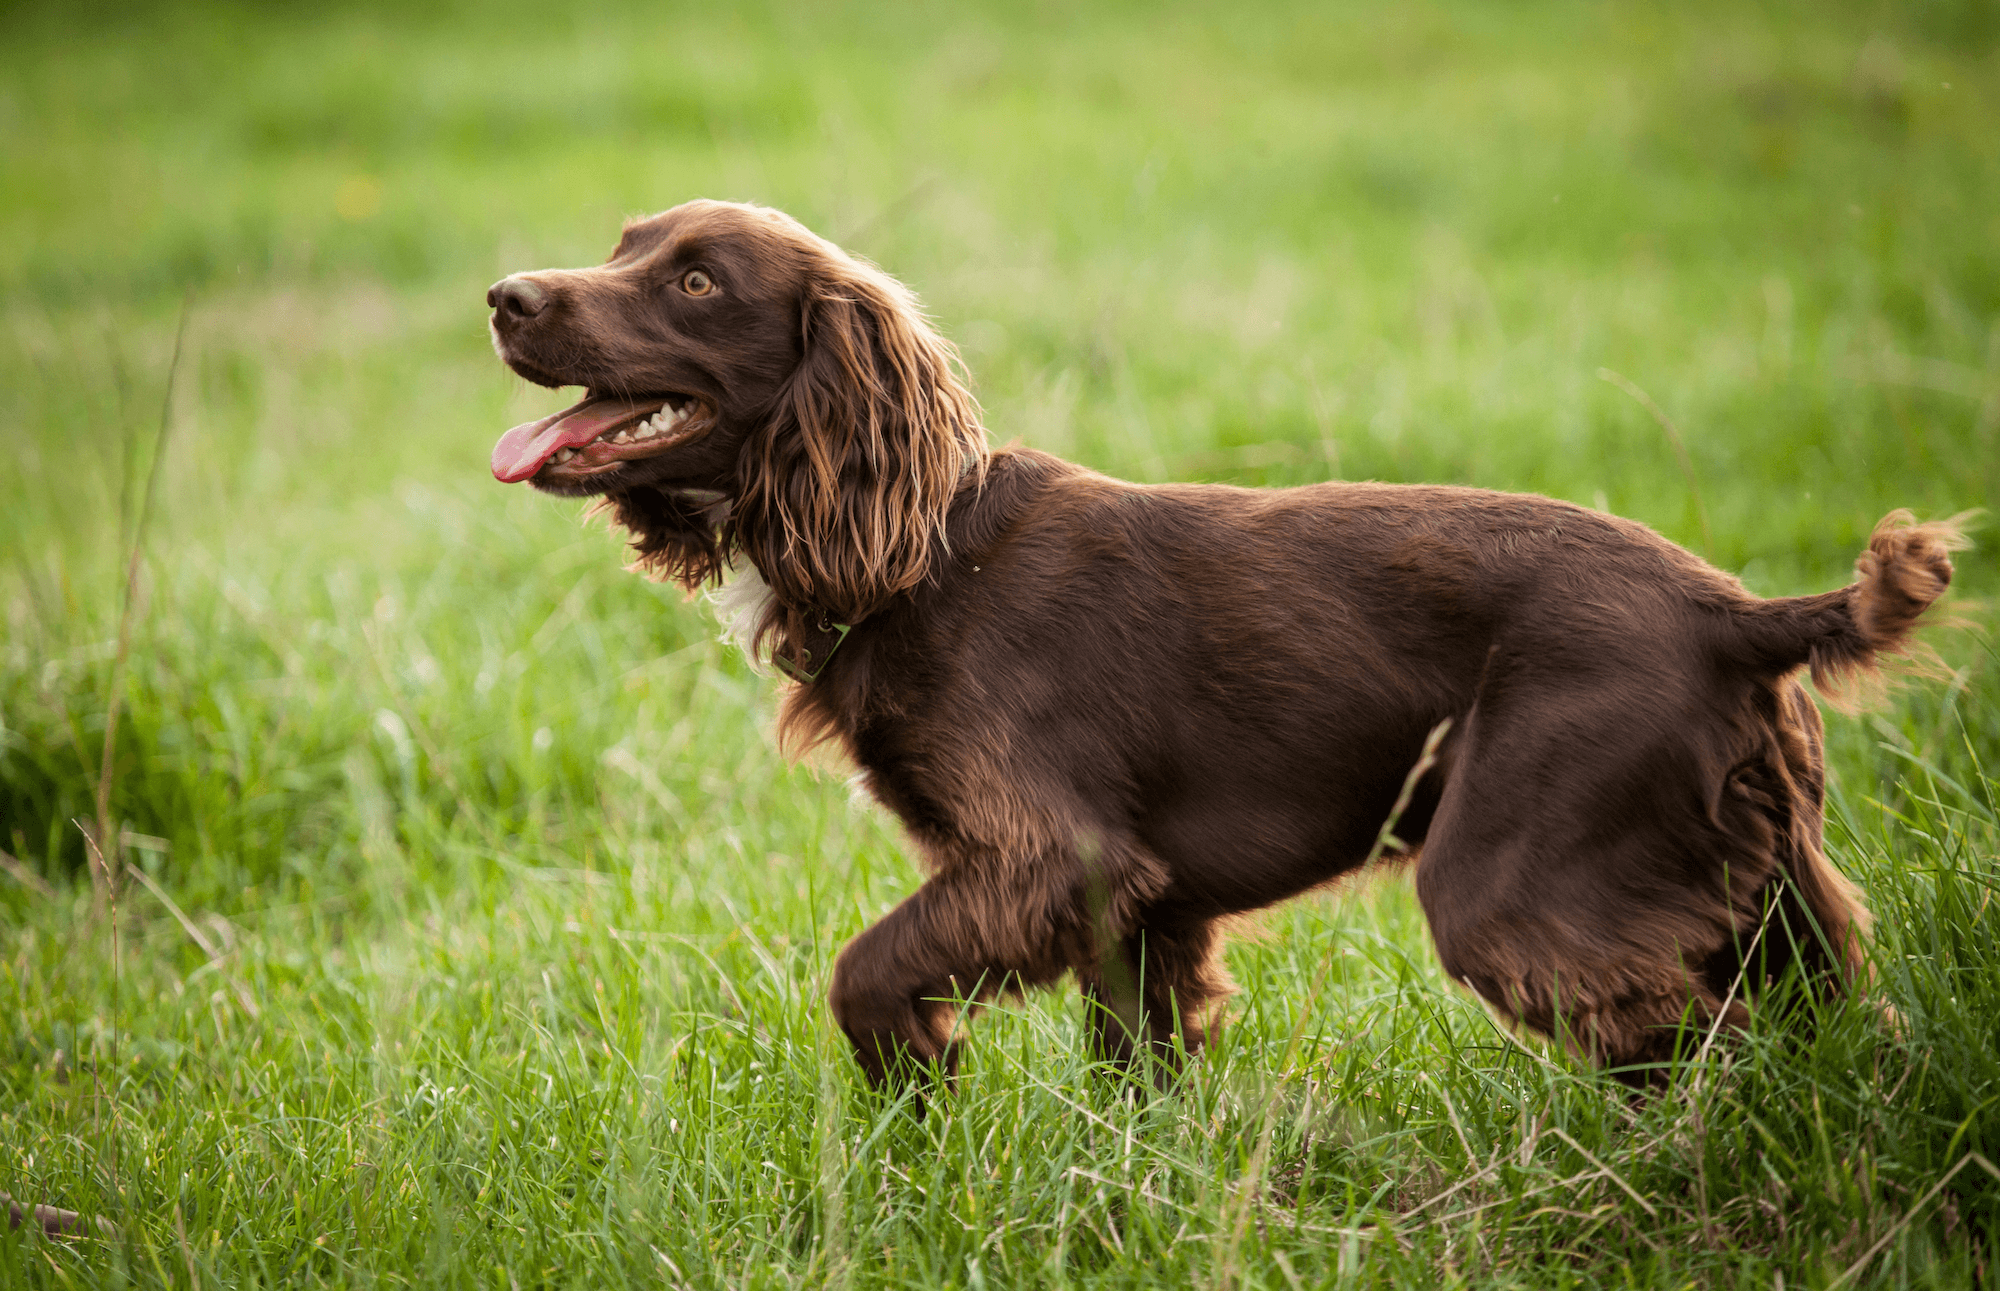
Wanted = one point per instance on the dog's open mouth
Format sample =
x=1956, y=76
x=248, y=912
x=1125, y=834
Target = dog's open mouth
x=597, y=435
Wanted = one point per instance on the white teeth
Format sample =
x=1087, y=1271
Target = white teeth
x=658, y=424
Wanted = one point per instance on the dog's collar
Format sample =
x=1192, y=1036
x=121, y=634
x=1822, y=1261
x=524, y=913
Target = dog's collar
x=826, y=636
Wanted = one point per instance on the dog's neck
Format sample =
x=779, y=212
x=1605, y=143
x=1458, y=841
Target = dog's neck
x=992, y=488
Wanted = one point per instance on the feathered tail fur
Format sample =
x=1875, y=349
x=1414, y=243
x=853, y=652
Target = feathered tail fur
x=1844, y=633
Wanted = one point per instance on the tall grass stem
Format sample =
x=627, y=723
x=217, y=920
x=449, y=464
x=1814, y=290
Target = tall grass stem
x=106, y=851
x=1680, y=450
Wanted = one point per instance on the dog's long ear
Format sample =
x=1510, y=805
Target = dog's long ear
x=845, y=489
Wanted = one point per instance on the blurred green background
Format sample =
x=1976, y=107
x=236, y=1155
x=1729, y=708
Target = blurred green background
x=379, y=711
x=1267, y=246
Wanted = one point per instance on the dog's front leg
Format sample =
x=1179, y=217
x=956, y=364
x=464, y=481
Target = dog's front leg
x=886, y=993
x=899, y=988
x=1153, y=998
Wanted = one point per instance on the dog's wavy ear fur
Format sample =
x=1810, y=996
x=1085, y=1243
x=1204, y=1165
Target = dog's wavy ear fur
x=844, y=490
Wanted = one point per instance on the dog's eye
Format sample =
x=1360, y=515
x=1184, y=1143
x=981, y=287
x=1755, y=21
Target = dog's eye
x=697, y=283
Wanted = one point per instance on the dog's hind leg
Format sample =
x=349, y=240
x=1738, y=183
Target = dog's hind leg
x=1811, y=917
x=1591, y=856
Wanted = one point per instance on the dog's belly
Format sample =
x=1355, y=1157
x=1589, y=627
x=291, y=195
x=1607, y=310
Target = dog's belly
x=1241, y=843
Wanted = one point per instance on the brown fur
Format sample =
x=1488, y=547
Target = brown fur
x=1113, y=715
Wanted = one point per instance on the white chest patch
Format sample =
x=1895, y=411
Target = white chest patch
x=740, y=605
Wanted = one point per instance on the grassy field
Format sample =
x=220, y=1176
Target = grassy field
x=475, y=935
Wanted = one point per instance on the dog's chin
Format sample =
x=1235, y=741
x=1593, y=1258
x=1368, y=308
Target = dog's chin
x=612, y=481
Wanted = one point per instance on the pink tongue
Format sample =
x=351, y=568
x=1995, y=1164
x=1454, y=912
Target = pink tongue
x=522, y=450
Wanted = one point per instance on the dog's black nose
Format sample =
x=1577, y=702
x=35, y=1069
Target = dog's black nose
x=517, y=297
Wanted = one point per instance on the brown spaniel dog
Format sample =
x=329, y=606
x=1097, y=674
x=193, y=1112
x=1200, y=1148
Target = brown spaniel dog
x=1111, y=715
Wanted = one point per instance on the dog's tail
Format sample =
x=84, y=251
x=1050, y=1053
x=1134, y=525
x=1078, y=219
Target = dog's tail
x=1842, y=634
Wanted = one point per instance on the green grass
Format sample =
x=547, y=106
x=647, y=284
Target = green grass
x=503, y=931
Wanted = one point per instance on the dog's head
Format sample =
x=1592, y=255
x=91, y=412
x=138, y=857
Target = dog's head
x=750, y=387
